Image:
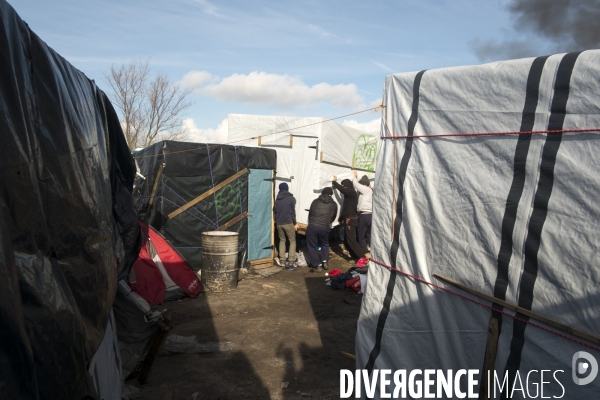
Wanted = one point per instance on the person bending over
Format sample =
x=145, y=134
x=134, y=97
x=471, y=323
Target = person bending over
x=323, y=211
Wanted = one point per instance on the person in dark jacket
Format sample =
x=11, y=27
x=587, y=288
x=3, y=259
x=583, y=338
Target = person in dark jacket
x=349, y=215
x=323, y=211
x=285, y=218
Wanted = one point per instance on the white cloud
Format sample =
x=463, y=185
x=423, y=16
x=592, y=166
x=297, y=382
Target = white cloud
x=209, y=135
x=279, y=91
x=317, y=30
x=372, y=127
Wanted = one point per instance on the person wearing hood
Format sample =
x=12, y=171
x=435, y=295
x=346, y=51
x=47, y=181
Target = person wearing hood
x=285, y=219
x=365, y=210
x=349, y=215
x=322, y=213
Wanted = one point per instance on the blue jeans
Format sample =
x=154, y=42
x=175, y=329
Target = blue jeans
x=314, y=235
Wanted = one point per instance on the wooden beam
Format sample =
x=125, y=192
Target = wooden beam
x=273, y=212
x=291, y=141
x=321, y=157
x=208, y=193
x=259, y=141
x=262, y=263
x=233, y=221
x=156, y=181
x=548, y=321
x=489, y=363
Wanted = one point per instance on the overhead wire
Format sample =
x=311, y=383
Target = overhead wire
x=267, y=134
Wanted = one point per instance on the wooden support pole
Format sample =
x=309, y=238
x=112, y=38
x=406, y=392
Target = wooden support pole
x=154, y=188
x=208, y=193
x=259, y=141
x=321, y=157
x=489, y=363
x=548, y=321
x=291, y=141
x=273, y=213
x=233, y=221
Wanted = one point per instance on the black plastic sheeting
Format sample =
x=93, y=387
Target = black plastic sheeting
x=68, y=226
x=191, y=169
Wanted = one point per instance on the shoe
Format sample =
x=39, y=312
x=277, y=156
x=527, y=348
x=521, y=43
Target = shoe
x=278, y=262
x=290, y=266
x=316, y=269
x=325, y=265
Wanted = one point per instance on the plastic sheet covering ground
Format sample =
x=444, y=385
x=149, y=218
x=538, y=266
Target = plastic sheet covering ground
x=68, y=224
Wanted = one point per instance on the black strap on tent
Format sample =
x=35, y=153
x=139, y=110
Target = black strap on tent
x=558, y=111
x=397, y=223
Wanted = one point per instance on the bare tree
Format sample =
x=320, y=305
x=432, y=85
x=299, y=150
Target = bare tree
x=151, y=110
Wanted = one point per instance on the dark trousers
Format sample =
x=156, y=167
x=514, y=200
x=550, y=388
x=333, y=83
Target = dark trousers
x=314, y=235
x=351, y=232
x=364, y=231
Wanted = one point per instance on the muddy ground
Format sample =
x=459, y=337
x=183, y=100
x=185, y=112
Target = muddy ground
x=288, y=327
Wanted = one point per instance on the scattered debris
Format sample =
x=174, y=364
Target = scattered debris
x=189, y=345
x=305, y=394
x=266, y=272
x=284, y=385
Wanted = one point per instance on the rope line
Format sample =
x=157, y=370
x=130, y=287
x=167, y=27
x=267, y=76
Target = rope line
x=475, y=134
x=176, y=206
x=193, y=207
x=212, y=178
x=268, y=134
x=487, y=306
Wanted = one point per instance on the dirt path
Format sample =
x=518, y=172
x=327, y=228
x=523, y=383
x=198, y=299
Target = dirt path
x=285, y=328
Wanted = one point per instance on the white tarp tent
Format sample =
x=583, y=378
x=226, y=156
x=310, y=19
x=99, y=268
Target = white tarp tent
x=514, y=216
x=309, y=152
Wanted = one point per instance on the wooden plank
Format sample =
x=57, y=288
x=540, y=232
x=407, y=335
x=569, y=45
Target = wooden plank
x=233, y=221
x=273, y=213
x=291, y=140
x=321, y=157
x=207, y=193
x=156, y=181
x=302, y=228
x=548, y=321
x=489, y=363
x=262, y=263
x=259, y=141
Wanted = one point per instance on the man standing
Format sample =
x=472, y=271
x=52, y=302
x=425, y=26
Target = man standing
x=365, y=210
x=285, y=218
x=322, y=213
x=349, y=215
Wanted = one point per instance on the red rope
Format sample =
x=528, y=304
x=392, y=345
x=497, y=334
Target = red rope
x=487, y=306
x=550, y=132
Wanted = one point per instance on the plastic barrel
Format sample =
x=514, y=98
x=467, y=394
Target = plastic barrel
x=219, y=260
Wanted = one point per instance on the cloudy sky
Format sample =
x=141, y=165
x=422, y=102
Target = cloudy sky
x=322, y=58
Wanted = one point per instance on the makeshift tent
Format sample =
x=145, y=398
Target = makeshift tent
x=160, y=272
x=309, y=152
x=471, y=186
x=68, y=226
x=190, y=188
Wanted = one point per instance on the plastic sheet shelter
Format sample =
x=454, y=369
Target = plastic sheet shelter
x=310, y=151
x=67, y=222
x=218, y=175
x=514, y=216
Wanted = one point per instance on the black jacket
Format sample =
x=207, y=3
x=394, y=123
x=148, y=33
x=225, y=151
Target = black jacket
x=322, y=211
x=350, y=199
x=285, y=208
